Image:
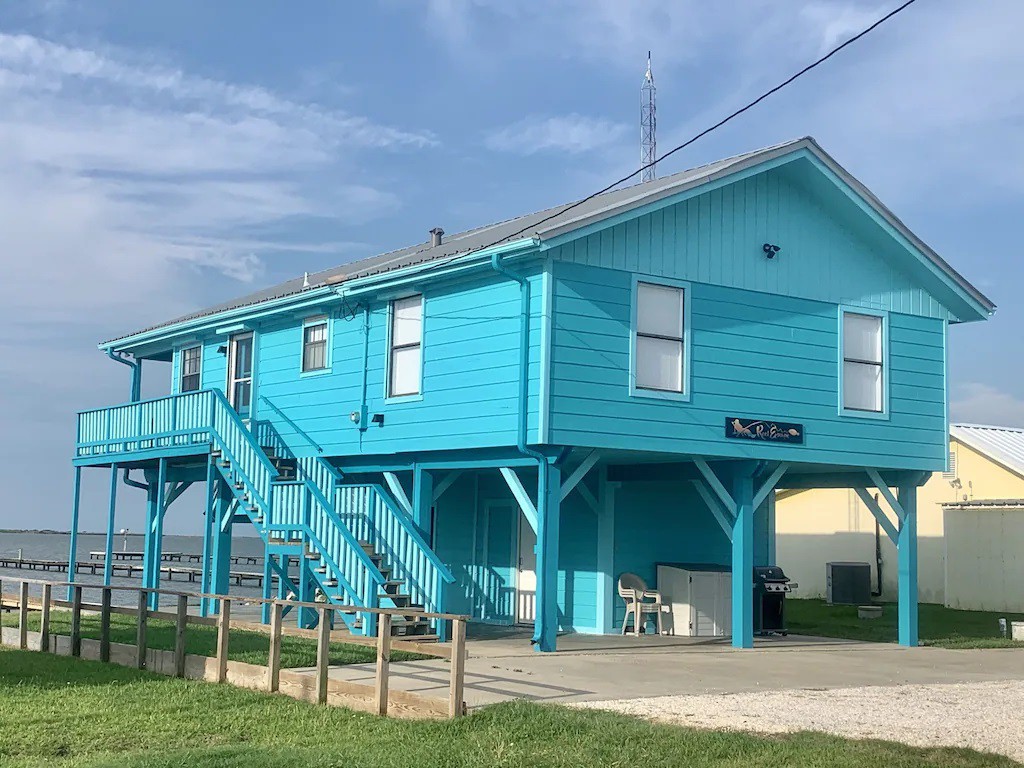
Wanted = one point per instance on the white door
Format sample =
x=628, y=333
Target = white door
x=526, y=578
x=240, y=373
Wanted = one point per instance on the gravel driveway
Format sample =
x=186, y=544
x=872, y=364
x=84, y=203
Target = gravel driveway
x=987, y=716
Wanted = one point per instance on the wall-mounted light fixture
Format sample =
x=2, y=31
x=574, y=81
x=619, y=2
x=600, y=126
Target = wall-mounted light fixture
x=222, y=350
x=378, y=419
x=770, y=250
x=354, y=417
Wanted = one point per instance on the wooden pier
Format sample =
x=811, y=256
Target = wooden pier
x=176, y=557
x=128, y=570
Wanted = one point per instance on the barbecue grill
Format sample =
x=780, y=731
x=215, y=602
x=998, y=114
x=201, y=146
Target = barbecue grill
x=770, y=588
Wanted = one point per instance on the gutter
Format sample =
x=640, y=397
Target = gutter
x=136, y=366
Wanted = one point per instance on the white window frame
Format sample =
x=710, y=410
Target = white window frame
x=635, y=390
x=181, y=369
x=309, y=322
x=232, y=380
x=884, y=364
x=390, y=350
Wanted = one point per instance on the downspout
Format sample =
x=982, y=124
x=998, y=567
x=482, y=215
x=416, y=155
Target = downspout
x=363, y=408
x=134, y=483
x=524, y=357
x=878, y=557
x=136, y=366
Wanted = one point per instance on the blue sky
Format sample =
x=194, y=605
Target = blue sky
x=161, y=156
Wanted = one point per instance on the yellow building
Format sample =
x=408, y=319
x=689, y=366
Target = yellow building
x=970, y=528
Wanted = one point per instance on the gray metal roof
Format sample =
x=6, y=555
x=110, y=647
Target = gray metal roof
x=1004, y=445
x=556, y=221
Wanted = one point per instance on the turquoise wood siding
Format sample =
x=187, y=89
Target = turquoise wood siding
x=470, y=374
x=753, y=355
x=830, y=251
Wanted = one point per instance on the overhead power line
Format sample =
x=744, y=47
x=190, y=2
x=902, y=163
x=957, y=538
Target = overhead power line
x=867, y=30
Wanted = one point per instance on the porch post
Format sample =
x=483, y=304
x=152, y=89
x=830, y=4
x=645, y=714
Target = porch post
x=108, y=551
x=422, y=501
x=220, y=582
x=148, y=544
x=307, y=616
x=209, y=521
x=73, y=550
x=549, y=493
x=158, y=532
x=743, y=558
x=906, y=548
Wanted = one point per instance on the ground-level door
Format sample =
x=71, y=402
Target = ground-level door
x=526, y=575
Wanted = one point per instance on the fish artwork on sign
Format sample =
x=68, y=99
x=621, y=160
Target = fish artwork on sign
x=768, y=431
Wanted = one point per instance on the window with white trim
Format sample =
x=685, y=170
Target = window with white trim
x=863, y=363
x=660, y=340
x=314, y=345
x=191, y=361
x=405, y=355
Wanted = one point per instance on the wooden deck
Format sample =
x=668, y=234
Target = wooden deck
x=175, y=557
x=127, y=569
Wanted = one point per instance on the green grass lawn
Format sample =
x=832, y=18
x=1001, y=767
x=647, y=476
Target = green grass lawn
x=69, y=712
x=937, y=625
x=244, y=645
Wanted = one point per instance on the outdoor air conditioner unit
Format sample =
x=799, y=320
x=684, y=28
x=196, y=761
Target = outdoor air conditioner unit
x=848, y=583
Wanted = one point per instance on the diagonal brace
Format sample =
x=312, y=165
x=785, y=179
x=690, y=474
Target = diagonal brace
x=398, y=492
x=721, y=515
x=580, y=472
x=716, y=485
x=769, y=485
x=880, y=516
x=525, y=502
x=446, y=483
x=883, y=488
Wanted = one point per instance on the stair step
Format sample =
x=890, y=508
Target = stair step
x=400, y=600
x=322, y=569
x=330, y=582
x=239, y=486
x=312, y=555
x=391, y=587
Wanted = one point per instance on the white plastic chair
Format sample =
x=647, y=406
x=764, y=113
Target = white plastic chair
x=640, y=601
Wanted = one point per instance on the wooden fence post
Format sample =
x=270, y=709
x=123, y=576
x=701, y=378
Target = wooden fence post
x=457, y=684
x=105, y=624
x=181, y=621
x=383, y=662
x=274, y=657
x=23, y=616
x=223, y=634
x=140, y=638
x=323, y=653
x=76, y=620
x=44, y=619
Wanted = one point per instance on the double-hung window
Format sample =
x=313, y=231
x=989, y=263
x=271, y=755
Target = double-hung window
x=191, y=359
x=863, y=363
x=405, y=353
x=314, y=345
x=660, y=343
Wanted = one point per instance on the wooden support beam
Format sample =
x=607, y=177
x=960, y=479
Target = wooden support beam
x=422, y=501
x=108, y=550
x=723, y=518
x=589, y=497
x=76, y=620
x=380, y=690
x=545, y=633
x=180, y=624
x=175, y=492
x=769, y=484
x=398, y=491
x=522, y=497
x=577, y=475
x=44, y=618
x=456, y=685
x=880, y=516
x=447, y=482
x=105, y=624
x=743, y=558
x=73, y=548
x=140, y=632
x=716, y=485
x=223, y=637
x=884, y=490
x=274, y=657
x=906, y=554
x=23, y=616
x=323, y=655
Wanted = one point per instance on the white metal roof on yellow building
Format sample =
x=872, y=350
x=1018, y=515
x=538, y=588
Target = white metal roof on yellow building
x=1004, y=445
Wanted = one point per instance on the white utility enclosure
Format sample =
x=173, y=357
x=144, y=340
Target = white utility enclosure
x=698, y=601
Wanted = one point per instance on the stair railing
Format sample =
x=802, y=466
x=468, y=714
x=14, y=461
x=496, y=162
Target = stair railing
x=246, y=457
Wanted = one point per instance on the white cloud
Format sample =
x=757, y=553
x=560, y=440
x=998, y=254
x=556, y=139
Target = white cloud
x=573, y=133
x=977, y=403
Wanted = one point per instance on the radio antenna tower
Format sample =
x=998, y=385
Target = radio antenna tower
x=648, y=126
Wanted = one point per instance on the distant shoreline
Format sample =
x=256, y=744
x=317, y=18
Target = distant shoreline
x=51, y=532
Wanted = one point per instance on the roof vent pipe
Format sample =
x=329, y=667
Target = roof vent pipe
x=435, y=237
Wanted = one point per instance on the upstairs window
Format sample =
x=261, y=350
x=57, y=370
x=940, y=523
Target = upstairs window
x=863, y=363
x=660, y=337
x=405, y=355
x=191, y=359
x=314, y=345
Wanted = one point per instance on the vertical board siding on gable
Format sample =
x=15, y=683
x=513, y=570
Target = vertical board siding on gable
x=717, y=237
x=470, y=375
x=754, y=355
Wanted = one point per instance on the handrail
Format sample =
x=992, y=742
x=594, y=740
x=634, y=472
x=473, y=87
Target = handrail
x=345, y=532
x=410, y=529
x=292, y=424
x=237, y=466
x=233, y=416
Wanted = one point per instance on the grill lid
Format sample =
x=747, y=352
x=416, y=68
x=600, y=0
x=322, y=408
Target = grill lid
x=769, y=573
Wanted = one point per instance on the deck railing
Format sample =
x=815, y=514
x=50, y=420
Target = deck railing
x=318, y=687
x=158, y=423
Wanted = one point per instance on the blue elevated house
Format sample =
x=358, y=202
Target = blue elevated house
x=501, y=422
